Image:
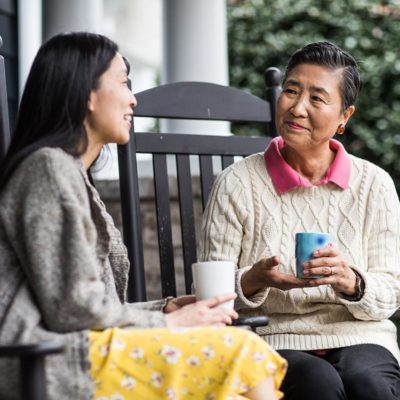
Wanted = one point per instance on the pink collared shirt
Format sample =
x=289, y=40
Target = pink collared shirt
x=285, y=178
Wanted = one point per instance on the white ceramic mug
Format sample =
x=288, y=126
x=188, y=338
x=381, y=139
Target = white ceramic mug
x=213, y=278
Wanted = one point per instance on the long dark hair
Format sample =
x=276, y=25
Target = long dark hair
x=54, y=102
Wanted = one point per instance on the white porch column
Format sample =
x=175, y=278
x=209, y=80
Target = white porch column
x=78, y=15
x=71, y=15
x=29, y=36
x=195, y=49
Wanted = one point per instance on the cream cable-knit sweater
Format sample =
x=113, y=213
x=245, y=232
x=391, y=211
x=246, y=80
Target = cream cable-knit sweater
x=246, y=220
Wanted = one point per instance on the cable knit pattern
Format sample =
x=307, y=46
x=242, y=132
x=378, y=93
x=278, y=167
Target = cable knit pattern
x=246, y=220
x=63, y=271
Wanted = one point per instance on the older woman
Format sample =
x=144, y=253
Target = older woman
x=334, y=330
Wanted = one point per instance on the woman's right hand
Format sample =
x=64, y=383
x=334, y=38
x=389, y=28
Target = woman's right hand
x=264, y=273
x=203, y=313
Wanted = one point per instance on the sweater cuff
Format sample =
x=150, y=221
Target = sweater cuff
x=256, y=300
x=165, y=302
x=154, y=319
x=153, y=305
x=361, y=287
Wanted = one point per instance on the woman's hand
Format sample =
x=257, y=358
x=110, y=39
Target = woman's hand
x=328, y=262
x=178, y=302
x=335, y=271
x=264, y=273
x=203, y=313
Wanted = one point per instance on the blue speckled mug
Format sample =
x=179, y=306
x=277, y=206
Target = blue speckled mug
x=306, y=244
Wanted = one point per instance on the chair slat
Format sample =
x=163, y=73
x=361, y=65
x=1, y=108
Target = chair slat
x=163, y=210
x=227, y=161
x=4, y=121
x=187, y=218
x=177, y=143
x=206, y=178
x=131, y=223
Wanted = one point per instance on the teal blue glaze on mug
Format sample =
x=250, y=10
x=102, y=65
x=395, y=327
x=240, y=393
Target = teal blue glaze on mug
x=306, y=244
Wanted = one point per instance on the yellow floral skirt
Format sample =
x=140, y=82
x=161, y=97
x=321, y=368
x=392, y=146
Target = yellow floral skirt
x=181, y=363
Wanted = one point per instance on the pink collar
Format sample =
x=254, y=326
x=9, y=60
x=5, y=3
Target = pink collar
x=285, y=178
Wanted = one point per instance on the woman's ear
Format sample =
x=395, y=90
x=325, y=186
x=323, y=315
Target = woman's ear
x=347, y=114
x=91, y=101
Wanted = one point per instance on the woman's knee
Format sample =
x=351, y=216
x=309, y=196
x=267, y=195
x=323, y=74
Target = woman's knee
x=366, y=385
x=315, y=371
x=368, y=372
x=311, y=377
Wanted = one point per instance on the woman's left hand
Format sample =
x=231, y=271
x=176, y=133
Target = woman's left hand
x=178, y=302
x=334, y=269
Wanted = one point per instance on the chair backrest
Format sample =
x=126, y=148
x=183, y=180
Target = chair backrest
x=4, y=119
x=184, y=100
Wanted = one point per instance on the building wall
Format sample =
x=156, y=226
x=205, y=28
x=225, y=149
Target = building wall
x=9, y=50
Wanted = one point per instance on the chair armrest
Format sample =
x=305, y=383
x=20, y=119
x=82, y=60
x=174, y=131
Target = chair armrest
x=31, y=349
x=32, y=365
x=252, y=322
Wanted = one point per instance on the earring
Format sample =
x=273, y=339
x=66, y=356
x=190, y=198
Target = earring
x=340, y=130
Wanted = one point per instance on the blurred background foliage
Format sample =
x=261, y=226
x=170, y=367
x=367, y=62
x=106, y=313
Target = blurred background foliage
x=264, y=33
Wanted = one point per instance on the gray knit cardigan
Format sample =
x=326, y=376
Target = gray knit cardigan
x=63, y=271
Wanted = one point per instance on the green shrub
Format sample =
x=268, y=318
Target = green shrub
x=263, y=33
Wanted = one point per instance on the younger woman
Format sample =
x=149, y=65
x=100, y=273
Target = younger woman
x=63, y=266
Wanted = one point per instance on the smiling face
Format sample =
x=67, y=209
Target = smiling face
x=110, y=107
x=309, y=109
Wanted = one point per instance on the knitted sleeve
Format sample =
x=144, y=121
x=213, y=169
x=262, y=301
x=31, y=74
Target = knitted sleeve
x=382, y=243
x=51, y=229
x=226, y=219
x=223, y=219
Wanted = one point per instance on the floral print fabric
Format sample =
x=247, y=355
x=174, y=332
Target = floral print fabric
x=182, y=363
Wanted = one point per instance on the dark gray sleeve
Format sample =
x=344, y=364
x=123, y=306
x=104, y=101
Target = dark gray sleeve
x=55, y=239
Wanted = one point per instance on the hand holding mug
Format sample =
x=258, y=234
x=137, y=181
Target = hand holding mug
x=306, y=244
x=330, y=264
x=204, y=313
x=214, y=278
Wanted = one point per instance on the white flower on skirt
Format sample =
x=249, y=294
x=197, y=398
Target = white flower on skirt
x=117, y=344
x=208, y=352
x=136, y=352
x=243, y=351
x=271, y=367
x=104, y=350
x=170, y=354
x=228, y=340
x=243, y=387
x=184, y=390
x=257, y=356
x=171, y=394
x=235, y=383
x=193, y=361
x=128, y=382
x=156, y=379
x=117, y=396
